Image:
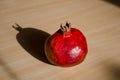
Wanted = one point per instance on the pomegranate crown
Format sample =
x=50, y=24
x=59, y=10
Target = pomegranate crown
x=65, y=28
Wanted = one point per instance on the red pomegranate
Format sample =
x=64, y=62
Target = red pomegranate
x=66, y=47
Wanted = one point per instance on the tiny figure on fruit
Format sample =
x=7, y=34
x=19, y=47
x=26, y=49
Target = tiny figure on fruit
x=66, y=47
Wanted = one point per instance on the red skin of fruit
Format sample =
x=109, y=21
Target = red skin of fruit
x=66, y=49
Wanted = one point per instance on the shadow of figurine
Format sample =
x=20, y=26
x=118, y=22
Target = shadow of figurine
x=32, y=40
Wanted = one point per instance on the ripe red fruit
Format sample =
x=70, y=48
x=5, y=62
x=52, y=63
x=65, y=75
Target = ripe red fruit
x=66, y=47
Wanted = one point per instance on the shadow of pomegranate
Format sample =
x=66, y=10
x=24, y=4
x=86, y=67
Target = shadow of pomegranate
x=32, y=40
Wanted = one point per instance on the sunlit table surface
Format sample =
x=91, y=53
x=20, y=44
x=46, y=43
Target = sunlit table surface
x=25, y=25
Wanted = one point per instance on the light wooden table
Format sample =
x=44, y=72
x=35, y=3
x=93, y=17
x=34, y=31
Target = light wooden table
x=99, y=20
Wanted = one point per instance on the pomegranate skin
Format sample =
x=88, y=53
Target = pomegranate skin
x=67, y=49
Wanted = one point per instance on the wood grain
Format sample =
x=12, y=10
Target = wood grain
x=20, y=59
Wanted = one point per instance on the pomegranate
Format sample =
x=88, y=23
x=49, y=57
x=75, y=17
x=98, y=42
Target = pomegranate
x=66, y=47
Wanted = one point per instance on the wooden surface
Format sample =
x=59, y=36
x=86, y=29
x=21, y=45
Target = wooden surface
x=99, y=20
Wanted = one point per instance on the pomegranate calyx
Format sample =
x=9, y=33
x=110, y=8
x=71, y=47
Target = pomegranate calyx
x=65, y=29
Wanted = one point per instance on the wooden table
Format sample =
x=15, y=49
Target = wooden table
x=21, y=51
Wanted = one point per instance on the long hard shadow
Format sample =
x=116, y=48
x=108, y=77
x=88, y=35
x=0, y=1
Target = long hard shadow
x=32, y=40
